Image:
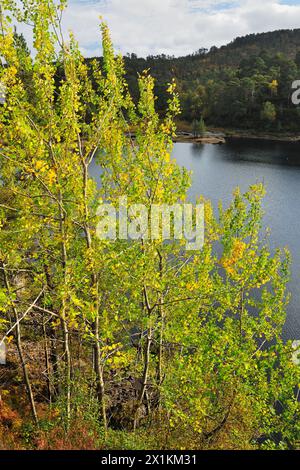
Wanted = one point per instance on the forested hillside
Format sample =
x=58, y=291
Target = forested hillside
x=246, y=84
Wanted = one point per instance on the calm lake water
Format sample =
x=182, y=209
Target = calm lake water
x=218, y=169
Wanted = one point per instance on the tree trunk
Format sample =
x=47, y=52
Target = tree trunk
x=67, y=367
x=98, y=368
x=18, y=338
x=161, y=336
x=47, y=363
x=144, y=378
x=99, y=375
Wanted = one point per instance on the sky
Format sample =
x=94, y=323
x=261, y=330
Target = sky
x=175, y=27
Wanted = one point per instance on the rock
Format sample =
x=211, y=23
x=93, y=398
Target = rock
x=2, y=354
x=210, y=140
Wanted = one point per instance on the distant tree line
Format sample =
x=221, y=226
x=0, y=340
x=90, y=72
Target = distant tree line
x=246, y=84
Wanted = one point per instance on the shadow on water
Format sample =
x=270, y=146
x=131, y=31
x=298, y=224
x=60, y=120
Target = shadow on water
x=256, y=151
x=261, y=151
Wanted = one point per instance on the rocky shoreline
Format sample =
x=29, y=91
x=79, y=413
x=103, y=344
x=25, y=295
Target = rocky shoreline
x=208, y=138
x=218, y=137
x=268, y=137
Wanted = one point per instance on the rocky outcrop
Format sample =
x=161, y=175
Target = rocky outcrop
x=206, y=139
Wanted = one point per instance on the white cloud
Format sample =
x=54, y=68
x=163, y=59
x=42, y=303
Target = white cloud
x=175, y=26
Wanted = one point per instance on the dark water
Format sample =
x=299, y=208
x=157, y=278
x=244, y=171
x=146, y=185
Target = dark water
x=217, y=170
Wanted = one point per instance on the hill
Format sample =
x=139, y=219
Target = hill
x=285, y=41
x=245, y=84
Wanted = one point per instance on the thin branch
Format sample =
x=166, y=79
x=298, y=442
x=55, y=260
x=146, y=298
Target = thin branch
x=22, y=317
